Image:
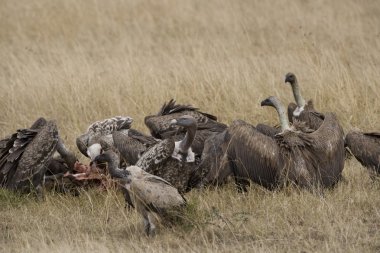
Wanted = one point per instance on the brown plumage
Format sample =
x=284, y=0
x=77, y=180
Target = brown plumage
x=23, y=165
x=174, y=161
x=27, y=156
x=150, y=194
x=160, y=127
x=301, y=111
x=305, y=157
x=214, y=166
x=153, y=194
x=366, y=148
x=132, y=144
x=268, y=130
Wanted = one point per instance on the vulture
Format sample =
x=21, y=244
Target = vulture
x=297, y=154
x=301, y=111
x=154, y=195
x=99, y=135
x=366, y=148
x=160, y=127
x=173, y=160
x=151, y=194
x=26, y=155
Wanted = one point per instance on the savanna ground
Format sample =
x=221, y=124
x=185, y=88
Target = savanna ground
x=81, y=61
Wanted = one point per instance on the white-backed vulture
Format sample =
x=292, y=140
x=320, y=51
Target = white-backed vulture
x=174, y=160
x=160, y=127
x=306, y=158
x=366, y=148
x=100, y=132
x=151, y=194
x=301, y=111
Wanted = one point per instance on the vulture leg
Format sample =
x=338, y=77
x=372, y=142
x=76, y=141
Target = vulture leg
x=149, y=227
x=40, y=193
x=152, y=227
x=128, y=200
x=241, y=182
x=146, y=223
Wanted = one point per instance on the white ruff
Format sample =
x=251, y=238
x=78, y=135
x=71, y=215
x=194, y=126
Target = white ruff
x=94, y=150
x=176, y=155
x=298, y=111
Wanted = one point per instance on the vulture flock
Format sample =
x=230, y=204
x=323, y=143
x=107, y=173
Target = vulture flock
x=187, y=149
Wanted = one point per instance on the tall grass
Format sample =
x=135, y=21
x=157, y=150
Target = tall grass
x=81, y=61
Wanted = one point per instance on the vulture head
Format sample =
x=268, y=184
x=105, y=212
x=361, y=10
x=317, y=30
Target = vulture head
x=111, y=158
x=186, y=121
x=276, y=103
x=39, y=123
x=270, y=101
x=105, y=157
x=290, y=78
x=94, y=150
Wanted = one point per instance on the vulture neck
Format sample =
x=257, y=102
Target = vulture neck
x=67, y=156
x=185, y=144
x=297, y=94
x=113, y=169
x=282, y=115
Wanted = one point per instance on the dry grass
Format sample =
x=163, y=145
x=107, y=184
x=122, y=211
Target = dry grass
x=80, y=61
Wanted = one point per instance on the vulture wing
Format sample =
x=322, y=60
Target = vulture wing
x=366, y=148
x=35, y=158
x=253, y=154
x=156, y=154
x=156, y=193
x=268, y=130
x=159, y=124
x=325, y=149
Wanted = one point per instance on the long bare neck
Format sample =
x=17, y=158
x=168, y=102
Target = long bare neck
x=297, y=94
x=188, y=140
x=284, y=121
x=113, y=167
x=66, y=154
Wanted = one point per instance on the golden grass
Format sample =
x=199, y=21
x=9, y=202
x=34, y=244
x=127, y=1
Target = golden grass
x=81, y=61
